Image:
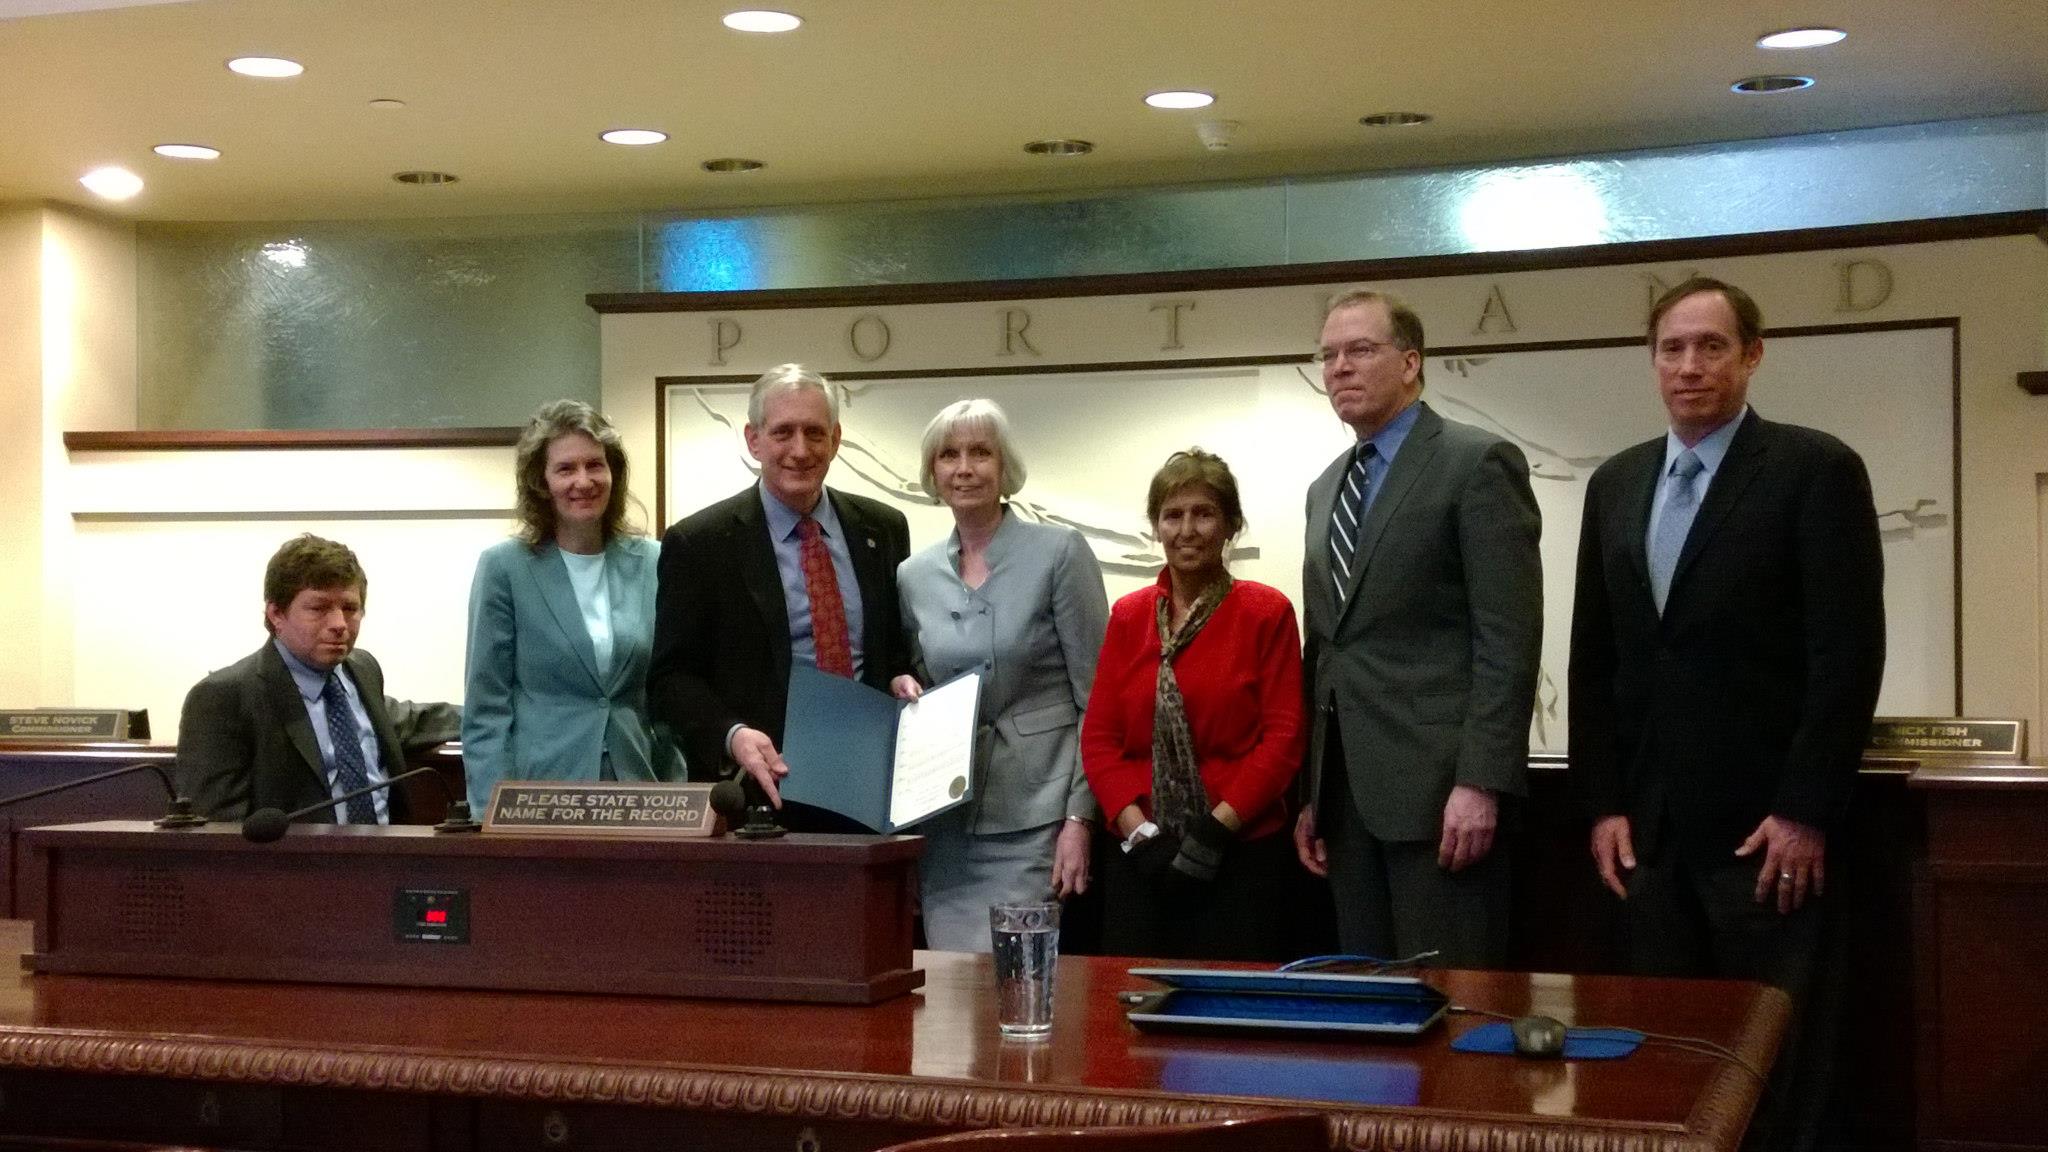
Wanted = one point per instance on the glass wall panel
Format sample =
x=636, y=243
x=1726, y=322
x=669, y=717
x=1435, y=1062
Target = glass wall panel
x=476, y=321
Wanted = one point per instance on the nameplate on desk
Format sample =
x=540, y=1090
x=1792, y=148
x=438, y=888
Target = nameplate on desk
x=1946, y=738
x=602, y=808
x=73, y=724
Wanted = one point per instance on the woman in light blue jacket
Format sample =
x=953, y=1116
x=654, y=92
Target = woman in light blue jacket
x=1023, y=603
x=561, y=620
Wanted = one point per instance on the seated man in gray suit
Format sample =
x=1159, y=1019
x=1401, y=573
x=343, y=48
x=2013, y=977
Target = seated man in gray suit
x=304, y=718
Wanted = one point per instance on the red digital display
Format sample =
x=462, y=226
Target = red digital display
x=437, y=915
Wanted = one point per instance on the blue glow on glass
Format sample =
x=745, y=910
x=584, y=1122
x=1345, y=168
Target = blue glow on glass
x=717, y=255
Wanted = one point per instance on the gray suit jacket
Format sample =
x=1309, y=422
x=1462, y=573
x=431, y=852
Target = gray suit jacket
x=245, y=742
x=1430, y=667
x=534, y=707
x=1033, y=629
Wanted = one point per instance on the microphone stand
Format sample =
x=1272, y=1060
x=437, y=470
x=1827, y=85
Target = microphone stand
x=177, y=813
x=267, y=824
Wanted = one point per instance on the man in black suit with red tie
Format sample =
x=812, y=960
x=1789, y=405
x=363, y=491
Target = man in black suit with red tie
x=784, y=570
x=1727, y=646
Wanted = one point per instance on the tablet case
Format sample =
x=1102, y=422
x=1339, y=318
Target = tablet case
x=1288, y=1003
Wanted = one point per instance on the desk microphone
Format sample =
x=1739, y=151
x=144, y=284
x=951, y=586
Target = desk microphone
x=177, y=814
x=267, y=824
x=744, y=796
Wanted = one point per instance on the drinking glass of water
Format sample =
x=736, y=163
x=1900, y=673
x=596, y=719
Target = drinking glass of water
x=1026, y=940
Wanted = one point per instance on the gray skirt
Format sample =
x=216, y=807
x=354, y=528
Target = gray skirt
x=962, y=874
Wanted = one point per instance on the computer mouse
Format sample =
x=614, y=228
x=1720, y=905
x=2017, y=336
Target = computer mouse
x=1537, y=1036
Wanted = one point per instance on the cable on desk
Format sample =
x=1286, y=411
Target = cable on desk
x=1374, y=963
x=1695, y=1044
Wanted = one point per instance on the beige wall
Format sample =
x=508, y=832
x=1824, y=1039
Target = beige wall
x=67, y=362
x=124, y=577
x=21, y=464
x=201, y=525
x=88, y=372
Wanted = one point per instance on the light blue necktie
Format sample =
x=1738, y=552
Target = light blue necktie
x=1680, y=502
x=350, y=771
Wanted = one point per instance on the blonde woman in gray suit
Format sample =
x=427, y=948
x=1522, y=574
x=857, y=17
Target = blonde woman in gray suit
x=1023, y=603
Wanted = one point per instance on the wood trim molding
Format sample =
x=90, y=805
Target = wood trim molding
x=1981, y=777
x=1716, y=1122
x=270, y=438
x=2031, y=221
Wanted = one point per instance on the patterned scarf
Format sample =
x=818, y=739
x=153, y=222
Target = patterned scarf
x=1178, y=799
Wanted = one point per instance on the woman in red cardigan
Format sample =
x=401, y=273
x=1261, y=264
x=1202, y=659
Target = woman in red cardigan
x=1192, y=738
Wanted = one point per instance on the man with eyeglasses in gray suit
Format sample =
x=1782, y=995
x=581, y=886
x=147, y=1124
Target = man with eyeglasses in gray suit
x=1422, y=593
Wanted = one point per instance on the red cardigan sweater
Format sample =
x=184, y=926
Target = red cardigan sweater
x=1241, y=678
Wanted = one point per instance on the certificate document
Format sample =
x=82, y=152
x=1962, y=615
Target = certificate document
x=875, y=759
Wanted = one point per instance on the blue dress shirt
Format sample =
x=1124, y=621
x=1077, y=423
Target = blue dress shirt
x=789, y=561
x=1385, y=443
x=311, y=682
x=1712, y=450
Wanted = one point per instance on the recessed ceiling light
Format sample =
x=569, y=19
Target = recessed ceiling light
x=1059, y=147
x=1763, y=85
x=425, y=177
x=187, y=151
x=762, y=20
x=268, y=67
x=1394, y=119
x=386, y=104
x=732, y=164
x=1180, y=99
x=111, y=183
x=1802, y=38
x=633, y=137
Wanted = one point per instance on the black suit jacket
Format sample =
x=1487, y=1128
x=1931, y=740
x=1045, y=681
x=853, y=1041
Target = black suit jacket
x=1752, y=695
x=245, y=741
x=721, y=629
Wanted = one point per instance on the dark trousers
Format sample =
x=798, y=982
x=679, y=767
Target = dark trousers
x=1247, y=914
x=1393, y=899
x=1695, y=914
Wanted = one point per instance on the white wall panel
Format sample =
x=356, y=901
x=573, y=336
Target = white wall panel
x=169, y=549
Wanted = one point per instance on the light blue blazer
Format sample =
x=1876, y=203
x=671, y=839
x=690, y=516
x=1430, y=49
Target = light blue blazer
x=534, y=708
x=1033, y=629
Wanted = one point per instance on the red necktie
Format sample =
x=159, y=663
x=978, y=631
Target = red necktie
x=828, y=611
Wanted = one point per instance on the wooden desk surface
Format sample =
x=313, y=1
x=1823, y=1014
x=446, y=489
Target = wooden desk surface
x=931, y=1058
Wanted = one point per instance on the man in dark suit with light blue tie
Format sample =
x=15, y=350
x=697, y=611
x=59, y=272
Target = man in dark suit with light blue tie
x=1727, y=647
x=1422, y=594
x=784, y=570
x=304, y=718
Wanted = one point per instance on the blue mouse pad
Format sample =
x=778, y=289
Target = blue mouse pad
x=1579, y=1043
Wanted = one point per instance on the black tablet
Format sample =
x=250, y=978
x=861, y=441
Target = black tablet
x=1288, y=1002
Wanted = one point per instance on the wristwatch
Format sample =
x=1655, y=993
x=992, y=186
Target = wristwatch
x=1140, y=834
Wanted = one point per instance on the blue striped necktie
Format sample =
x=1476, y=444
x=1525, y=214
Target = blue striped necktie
x=1347, y=516
x=350, y=771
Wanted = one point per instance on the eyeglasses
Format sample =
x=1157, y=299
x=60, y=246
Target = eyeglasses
x=1356, y=351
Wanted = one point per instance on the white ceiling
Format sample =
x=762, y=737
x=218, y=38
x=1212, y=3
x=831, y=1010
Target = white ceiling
x=877, y=99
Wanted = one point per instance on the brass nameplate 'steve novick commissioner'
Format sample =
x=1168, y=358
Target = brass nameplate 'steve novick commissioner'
x=32, y=724
x=600, y=808
x=1947, y=739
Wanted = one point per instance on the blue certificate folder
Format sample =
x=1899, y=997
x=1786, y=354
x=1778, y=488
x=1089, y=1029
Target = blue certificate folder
x=1291, y=1003
x=839, y=738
